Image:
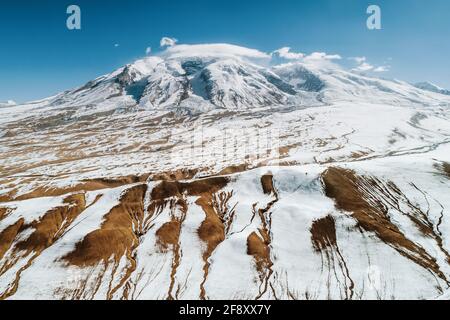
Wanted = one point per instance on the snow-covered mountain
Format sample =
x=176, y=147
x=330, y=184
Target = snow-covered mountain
x=428, y=86
x=207, y=172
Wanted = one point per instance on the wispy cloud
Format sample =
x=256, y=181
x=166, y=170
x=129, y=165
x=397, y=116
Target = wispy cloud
x=381, y=69
x=363, y=66
x=214, y=49
x=313, y=59
x=358, y=60
x=322, y=56
x=148, y=50
x=167, y=42
x=286, y=53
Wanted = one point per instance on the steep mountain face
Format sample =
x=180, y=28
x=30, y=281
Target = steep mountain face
x=207, y=173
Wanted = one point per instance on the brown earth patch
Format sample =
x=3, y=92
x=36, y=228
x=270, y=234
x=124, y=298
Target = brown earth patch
x=284, y=150
x=85, y=185
x=267, y=184
x=182, y=174
x=258, y=247
x=8, y=235
x=3, y=212
x=234, y=169
x=7, y=197
x=358, y=154
x=446, y=168
x=212, y=230
x=168, y=234
x=323, y=233
x=167, y=189
x=120, y=181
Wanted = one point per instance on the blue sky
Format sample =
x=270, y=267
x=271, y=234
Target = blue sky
x=39, y=56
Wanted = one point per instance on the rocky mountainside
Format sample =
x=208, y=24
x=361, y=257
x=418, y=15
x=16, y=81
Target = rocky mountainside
x=206, y=172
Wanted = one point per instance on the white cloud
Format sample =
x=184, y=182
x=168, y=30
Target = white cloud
x=286, y=53
x=381, y=69
x=322, y=60
x=364, y=66
x=148, y=50
x=214, y=50
x=314, y=59
x=167, y=42
x=322, y=56
x=358, y=60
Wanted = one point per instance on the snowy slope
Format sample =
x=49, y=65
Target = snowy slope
x=207, y=172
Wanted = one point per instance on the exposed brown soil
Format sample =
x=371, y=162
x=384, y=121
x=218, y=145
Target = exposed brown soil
x=258, y=247
x=116, y=236
x=8, y=235
x=168, y=234
x=116, y=182
x=267, y=184
x=3, y=212
x=86, y=185
x=284, y=150
x=168, y=189
x=323, y=233
x=356, y=194
x=182, y=174
x=234, y=169
x=446, y=168
x=358, y=154
x=212, y=230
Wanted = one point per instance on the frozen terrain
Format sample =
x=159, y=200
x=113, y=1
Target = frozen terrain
x=206, y=172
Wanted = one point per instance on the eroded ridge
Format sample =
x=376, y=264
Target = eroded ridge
x=116, y=238
x=259, y=242
x=370, y=200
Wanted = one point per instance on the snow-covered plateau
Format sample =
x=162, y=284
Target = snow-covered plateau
x=207, y=172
